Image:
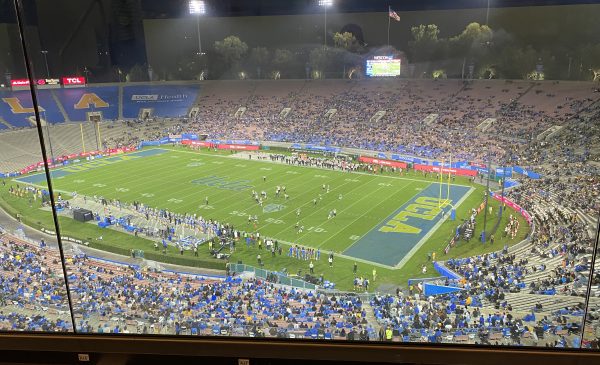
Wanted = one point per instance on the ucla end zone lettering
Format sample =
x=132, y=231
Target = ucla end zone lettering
x=423, y=208
x=395, y=237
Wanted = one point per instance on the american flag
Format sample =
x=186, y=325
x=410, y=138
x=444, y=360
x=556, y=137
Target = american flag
x=394, y=15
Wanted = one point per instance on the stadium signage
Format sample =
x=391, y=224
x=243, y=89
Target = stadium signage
x=48, y=82
x=158, y=98
x=19, y=82
x=382, y=162
x=144, y=97
x=197, y=143
x=73, y=80
x=513, y=205
x=238, y=147
x=445, y=170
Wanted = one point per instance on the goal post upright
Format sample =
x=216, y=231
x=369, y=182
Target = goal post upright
x=441, y=183
x=449, y=178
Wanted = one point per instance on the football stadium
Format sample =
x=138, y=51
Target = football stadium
x=443, y=208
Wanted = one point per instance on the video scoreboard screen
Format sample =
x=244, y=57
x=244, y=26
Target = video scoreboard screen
x=383, y=66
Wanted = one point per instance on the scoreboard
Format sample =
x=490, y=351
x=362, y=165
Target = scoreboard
x=383, y=66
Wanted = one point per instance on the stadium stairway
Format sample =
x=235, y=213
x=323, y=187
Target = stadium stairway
x=521, y=95
x=371, y=320
x=60, y=106
x=524, y=302
x=120, y=112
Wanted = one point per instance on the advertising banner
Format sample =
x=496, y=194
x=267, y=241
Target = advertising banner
x=530, y=174
x=197, y=143
x=242, y=147
x=504, y=172
x=445, y=170
x=193, y=137
x=382, y=162
x=73, y=81
x=408, y=159
x=480, y=165
x=164, y=100
x=513, y=205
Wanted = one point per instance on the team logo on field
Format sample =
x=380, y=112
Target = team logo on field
x=222, y=182
x=271, y=208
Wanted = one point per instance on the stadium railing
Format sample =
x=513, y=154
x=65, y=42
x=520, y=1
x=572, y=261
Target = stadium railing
x=266, y=274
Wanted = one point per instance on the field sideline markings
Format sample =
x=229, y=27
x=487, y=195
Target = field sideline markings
x=351, y=258
x=433, y=229
x=124, y=178
x=304, y=234
x=87, y=162
x=309, y=202
x=376, y=190
x=362, y=215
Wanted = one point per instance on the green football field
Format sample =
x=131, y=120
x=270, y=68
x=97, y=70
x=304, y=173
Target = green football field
x=183, y=181
x=368, y=206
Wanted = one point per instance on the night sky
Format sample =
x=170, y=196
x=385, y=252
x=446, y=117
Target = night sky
x=119, y=33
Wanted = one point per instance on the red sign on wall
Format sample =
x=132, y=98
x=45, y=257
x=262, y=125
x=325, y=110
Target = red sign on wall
x=245, y=147
x=74, y=80
x=19, y=82
x=445, y=170
x=379, y=161
x=197, y=143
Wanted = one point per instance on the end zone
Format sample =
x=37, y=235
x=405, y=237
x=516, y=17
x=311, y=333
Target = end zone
x=400, y=235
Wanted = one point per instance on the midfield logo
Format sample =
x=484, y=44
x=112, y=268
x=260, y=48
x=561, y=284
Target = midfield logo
x=271, y=208
x=223, y=183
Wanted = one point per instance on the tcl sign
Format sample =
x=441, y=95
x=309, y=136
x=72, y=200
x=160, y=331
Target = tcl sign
x=77, y=80
x=19, y=82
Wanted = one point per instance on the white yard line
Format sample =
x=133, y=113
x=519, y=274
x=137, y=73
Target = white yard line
x=386, y=218
x=362, y=215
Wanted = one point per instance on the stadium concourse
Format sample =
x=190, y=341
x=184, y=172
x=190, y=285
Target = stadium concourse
x=528, y=294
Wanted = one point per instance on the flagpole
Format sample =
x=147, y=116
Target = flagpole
x=388, y=32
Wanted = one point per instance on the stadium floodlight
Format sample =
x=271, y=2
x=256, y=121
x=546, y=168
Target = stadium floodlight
x=45, y=53
x=197, y=7
x=325, y=4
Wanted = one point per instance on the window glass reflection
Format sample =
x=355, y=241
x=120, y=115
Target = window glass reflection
x=308, y=175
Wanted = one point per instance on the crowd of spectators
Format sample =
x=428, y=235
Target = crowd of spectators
x=343, y=113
